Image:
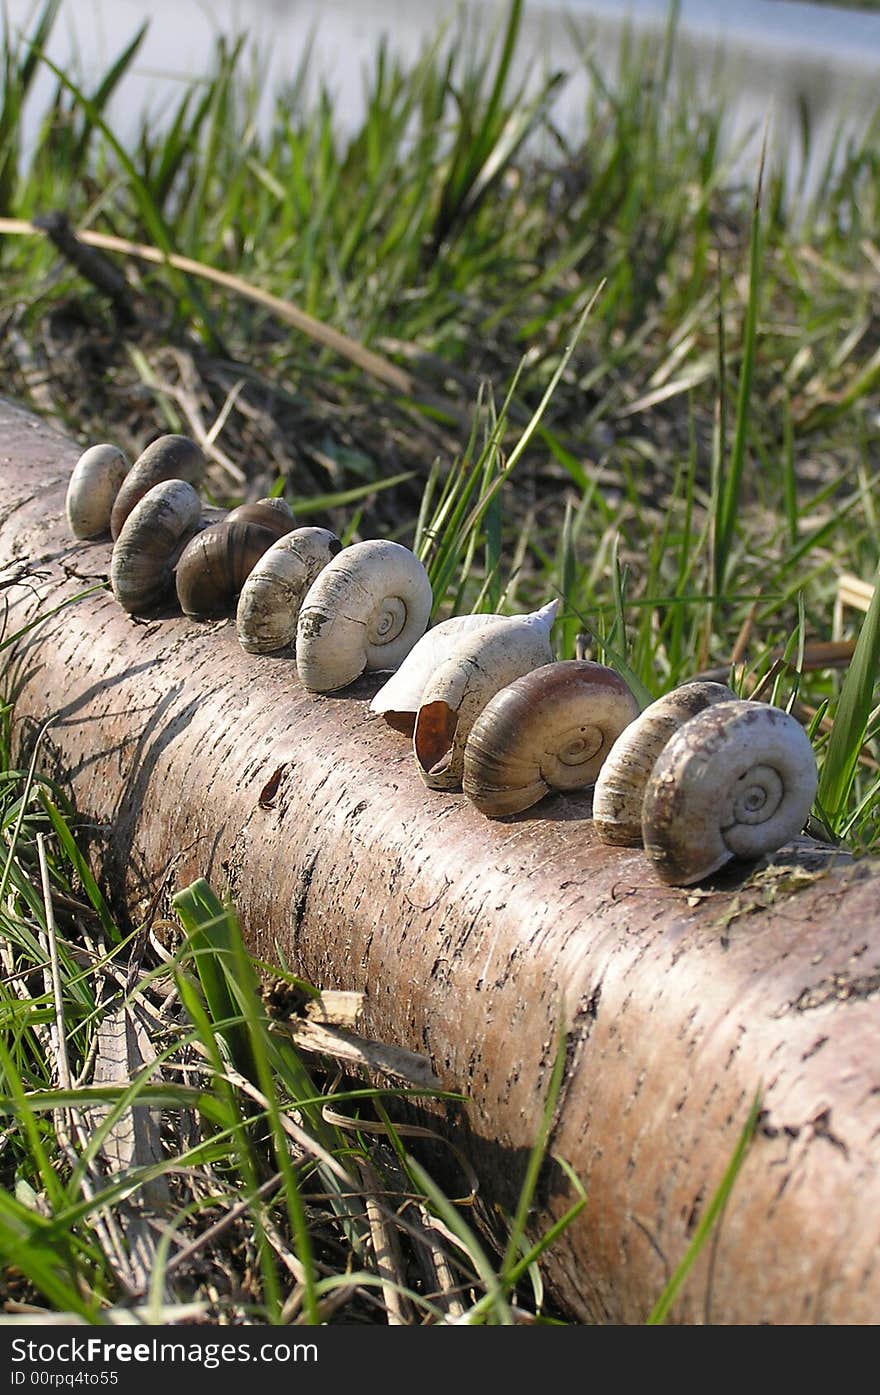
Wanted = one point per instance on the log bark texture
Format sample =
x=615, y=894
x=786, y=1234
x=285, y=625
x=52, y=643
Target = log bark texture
x=474, y=941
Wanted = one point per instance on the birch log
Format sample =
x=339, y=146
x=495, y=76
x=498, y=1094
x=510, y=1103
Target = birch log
x=476, y=941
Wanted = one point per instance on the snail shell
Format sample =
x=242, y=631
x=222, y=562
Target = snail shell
x=270, y=599
x=364, y=611
x=215, y=564
x=92, y=489
x=551, y=729
x=458, y=690
x=167, y=458
x=620, y=786
x=736, y=781
x=399, y=699
x=151, y=539
x=273, y=513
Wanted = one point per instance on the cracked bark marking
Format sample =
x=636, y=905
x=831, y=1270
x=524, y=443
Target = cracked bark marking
x=841, y=987
x=822, y=1129
x=811, y=1050
x=576, y=1038
x=429, y=905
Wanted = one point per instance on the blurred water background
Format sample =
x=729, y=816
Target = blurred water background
x=809, y=72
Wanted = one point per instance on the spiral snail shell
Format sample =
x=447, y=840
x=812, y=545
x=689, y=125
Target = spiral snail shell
x=167, y=458
x=92, y=489
x=270, y=600
x=460, y=687
x=551, y=729
x=620, y=785
x=736, y=781
x=149, y=543
x=364, y=611
x=215, y=563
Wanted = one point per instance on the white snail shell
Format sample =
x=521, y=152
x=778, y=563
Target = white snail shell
x=620, y=786
x=458, y=690
x=364, y=611
x=270, y=600
x=551, y=729
x=399, y=699
x=736, y=781
x=92, y=489
x=151, y=540
x=167, y=458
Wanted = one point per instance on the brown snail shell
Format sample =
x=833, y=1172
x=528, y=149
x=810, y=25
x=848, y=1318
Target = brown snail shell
x=736, y=781
x=275, y=514
x=167, y=458
x=91, y=492
x=549, y=730
x=271, y=597
x=216, y=563
x=620, y=786
x=151, y=539
x=483, y=663
x=364, y=611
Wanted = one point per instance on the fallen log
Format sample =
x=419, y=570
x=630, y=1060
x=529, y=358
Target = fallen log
x=474, y=941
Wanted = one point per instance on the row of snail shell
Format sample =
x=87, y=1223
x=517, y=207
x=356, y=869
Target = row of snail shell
x=366, y=613
x=701, y=778
x=698, y=778
x=166, y=540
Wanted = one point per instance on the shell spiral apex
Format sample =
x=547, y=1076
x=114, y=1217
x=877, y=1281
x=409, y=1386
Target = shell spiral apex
x=364, y=611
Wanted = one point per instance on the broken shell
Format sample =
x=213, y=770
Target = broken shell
x=399, y=699
x=152, y=537
x=620, y=786
x=216, y=563
x=167, y=458
x=458, y=690
x=364, y=611
x=272, y=595
x=92, y=489
x=736, y=781
x=549, y=730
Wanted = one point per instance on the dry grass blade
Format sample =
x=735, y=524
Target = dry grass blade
x=445, y=1290
x=132, y=1275
x=23, y=1314
x=371, y=363
x=133, y=1139
x=386, y=1250
x=376, y=1126
x=852, y=591
x=307, y=1145
x=346, y=1047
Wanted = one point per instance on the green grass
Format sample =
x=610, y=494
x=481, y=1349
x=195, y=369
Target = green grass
x=600, y=371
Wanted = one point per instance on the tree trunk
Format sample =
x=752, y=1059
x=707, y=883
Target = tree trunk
x=476, y=941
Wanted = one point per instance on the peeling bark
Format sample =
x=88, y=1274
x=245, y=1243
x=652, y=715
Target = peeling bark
x=474, y=941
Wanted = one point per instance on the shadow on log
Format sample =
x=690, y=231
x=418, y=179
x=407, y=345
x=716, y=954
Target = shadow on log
x=475, y=941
